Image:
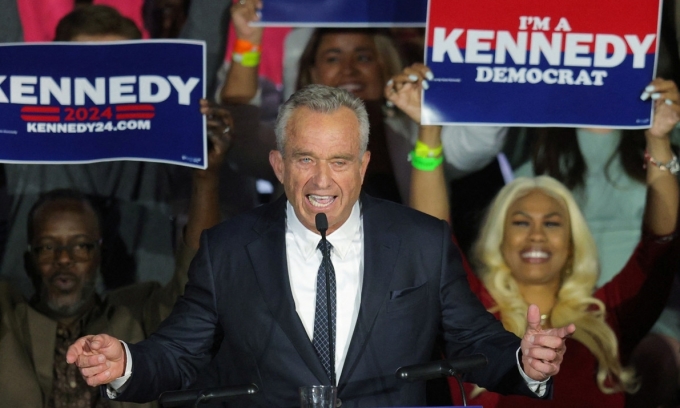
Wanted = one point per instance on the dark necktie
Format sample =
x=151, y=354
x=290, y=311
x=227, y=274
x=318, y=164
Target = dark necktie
x=324, y=349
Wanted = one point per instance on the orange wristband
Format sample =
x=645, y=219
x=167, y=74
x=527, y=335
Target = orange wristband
x=244, y=46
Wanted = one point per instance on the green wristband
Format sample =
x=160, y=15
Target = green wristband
x=247, y=59
x=425, y=163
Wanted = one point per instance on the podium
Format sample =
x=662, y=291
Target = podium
x=417, y=372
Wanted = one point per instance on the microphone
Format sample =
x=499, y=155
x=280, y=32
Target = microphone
x=441, y=368
x=466, y=364
x=180, y=398
x=322, y=225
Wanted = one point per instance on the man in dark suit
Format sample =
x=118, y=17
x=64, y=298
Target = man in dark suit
x=398, y=279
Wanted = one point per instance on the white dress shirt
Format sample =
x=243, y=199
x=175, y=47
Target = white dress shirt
x=347, y=256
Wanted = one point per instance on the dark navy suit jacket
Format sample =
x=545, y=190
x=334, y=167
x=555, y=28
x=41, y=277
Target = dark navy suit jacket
x=239, y=298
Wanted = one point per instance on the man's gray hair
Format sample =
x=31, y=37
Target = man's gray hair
x=322, y=99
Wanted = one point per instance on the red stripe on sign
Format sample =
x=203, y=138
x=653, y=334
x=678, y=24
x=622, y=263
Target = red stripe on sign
x=128, y=108
x=40, y=109
x=40, y=118
x=121, y=116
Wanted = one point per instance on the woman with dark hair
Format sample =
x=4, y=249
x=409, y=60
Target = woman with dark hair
x=535, y=247
x=360, y=60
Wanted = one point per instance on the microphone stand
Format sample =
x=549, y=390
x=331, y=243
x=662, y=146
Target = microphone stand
x=459, y=381
x=322, y=225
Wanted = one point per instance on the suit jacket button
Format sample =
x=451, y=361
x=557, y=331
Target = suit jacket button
x=338, y=403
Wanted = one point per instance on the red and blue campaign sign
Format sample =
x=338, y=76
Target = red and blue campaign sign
x=343, y=13
x=89, y=102
x=537, y=62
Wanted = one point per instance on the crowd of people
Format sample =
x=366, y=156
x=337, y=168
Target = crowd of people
x=571, y=234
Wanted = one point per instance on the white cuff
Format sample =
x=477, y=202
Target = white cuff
x=470, y=148
x=538, y=387
x=115, y=387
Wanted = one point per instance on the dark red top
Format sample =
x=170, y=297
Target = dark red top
x=634, y=300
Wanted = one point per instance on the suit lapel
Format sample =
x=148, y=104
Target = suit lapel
x=380, y=255
x=268, y=257
x=43, y=332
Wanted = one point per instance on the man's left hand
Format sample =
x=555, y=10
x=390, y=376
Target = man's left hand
x=543, y=350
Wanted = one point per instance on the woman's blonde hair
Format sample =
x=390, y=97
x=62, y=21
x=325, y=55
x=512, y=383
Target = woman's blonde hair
x=574, y=303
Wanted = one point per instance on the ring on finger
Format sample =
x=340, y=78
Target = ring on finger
x=242, y=2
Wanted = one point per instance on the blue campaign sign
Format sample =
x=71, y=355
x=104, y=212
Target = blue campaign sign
x=343, y=13
x=89, y=102
x=536, y=63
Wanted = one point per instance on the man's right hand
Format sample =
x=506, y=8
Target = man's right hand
x=100, y=358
